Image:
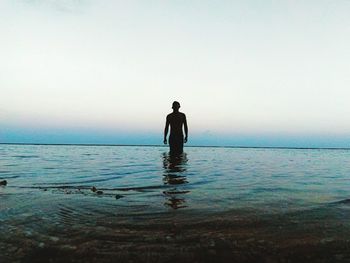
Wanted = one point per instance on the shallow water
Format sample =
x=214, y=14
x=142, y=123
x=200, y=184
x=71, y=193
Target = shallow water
x=49, y=192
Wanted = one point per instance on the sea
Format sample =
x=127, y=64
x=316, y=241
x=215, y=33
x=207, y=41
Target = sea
x=101, y=201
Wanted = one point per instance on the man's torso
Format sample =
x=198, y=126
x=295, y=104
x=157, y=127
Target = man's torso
x=176, y=121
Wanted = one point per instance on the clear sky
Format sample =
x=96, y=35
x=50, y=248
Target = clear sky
x=252, y=72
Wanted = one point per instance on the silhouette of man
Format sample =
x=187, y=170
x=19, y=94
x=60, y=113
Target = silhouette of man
x=176, y=120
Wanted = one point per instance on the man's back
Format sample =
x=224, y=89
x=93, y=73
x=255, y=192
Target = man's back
x=176, y=121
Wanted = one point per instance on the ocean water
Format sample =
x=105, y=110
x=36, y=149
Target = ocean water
x=61, y=193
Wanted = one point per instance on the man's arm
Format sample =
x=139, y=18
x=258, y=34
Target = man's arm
x=186, y=128
x=166, y=130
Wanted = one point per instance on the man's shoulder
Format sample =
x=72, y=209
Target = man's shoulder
x=176, y=114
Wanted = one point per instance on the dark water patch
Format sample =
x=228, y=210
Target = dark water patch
x=25, y=156
x=10, y=177
x=279, y=175
x=271, y=189
x=83, y=181
x=246, y=186
x=85, y=192
x=52, y=254
x=142, y=165
x=344, y=201
x=130, y=172
x=141, y=188
x=88, y=187
x=66, y=191
x=200, y=183
x=172, y=192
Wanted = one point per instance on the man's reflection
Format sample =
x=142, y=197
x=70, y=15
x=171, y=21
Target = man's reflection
x=174, y=167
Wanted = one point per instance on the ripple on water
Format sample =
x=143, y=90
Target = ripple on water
x=9, y=177
x=223, y=178
x=69, y=215
x=26, y=156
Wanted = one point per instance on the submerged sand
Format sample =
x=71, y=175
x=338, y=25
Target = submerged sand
x=215, y=238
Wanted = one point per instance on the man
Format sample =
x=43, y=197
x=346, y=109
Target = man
x=176, y=120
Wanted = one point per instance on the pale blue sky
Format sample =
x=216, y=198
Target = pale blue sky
x=246, y=72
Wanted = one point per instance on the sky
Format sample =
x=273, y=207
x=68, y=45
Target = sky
x=247, y=73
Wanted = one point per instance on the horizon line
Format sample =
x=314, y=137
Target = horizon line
x=189, y=146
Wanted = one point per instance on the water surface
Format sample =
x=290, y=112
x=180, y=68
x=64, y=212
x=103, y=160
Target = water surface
x=59, y=193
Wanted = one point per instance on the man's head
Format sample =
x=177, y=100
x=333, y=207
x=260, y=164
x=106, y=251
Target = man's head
x=176, y=106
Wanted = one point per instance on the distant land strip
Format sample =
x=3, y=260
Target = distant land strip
x=188, y=146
